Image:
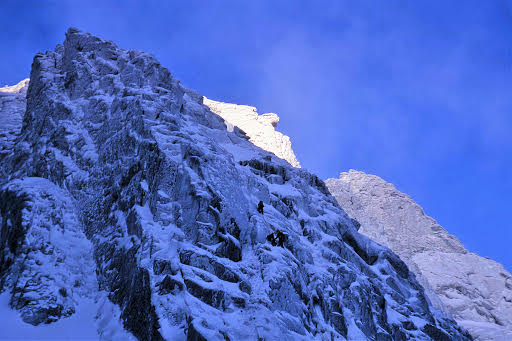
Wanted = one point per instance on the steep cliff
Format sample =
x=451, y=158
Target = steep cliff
x=475, y=290
x=12, y=107
x=124, y=189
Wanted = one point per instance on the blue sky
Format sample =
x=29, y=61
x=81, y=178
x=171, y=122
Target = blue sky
x=417, y=92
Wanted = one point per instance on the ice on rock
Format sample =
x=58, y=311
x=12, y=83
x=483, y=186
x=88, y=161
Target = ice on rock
x=475, y=290
x=118, y=165
x=12, y=108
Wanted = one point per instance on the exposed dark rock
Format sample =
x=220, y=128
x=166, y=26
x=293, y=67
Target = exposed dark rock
x=230, y=249
x=435, y=333
x=193, y=334
x=213, y=297
x=161, y=266
x=168, y=285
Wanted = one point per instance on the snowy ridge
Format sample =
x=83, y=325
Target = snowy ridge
x=20, y=88
x=193, y=232
x=259, y=128
x=475, y=290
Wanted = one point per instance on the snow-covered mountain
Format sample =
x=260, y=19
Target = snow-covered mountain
x=475, y=290
x=124, y=195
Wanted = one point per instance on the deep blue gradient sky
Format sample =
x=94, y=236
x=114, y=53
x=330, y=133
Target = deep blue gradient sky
x=417, y=92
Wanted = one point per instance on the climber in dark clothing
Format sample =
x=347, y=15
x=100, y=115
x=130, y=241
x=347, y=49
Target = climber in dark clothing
x=260, y=207
x=182, y=109
x=281, y=238
x=277, y=238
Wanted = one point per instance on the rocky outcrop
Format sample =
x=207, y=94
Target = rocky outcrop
x=46, y=260
x=261, y=129
x=193, y=232
x=475, y=290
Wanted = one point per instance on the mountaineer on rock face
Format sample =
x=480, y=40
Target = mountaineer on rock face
x=260, y=207
x=277, y=238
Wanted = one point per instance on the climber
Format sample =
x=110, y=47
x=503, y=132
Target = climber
x=182, y=109
x=260, y=207
x=272, y=239
x=277, y=238
x=281, y=238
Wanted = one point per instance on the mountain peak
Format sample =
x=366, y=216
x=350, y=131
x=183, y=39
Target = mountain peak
x=475, y=290
x=15, y=89
x=261, y=129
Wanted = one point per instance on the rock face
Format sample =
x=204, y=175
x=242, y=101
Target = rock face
x=476, y=291
x=12, y=108
x=259, y=128
x=46, y=259
x=122, y=184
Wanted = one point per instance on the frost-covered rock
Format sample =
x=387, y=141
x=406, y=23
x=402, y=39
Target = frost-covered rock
x=12, y=108
x=475, y=290
x=193, y=232
x=46, y=259
x=259, y=128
